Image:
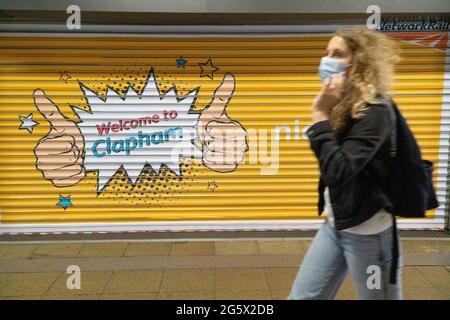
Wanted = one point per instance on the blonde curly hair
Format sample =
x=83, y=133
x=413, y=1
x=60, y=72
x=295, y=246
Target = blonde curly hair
x=373, y=61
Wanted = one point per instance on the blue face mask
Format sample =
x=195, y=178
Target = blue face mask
x=330, y=66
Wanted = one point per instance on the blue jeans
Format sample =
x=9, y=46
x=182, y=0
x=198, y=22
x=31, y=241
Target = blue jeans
x=333, y=253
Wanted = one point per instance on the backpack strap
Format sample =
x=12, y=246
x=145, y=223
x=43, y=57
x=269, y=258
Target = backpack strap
x=393, y=150
x=393, y=153
x=395, y=253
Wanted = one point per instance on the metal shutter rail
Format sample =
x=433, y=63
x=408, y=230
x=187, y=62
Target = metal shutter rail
x=276, y=81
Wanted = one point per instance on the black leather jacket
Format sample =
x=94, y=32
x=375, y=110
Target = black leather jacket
x=354, y=164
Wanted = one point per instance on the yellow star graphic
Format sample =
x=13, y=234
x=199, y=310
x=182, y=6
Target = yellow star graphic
x=208, y=69
x=64, y=76
x=212, y=185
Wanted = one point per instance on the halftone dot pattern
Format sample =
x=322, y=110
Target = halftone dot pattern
x=151, y=188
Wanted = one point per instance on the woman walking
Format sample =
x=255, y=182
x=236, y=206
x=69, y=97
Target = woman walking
x=350, y=136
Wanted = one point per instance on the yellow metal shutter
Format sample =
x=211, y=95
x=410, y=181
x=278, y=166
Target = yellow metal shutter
x=275, y=83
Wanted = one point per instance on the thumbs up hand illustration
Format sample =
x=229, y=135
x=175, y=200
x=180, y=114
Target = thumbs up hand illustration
x=60, y=154
x=223, y=140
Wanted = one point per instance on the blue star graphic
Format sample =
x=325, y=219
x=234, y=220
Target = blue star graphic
x=181, y=62
x=64, y=202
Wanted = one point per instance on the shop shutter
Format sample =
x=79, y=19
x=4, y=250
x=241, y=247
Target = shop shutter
x=103, y=78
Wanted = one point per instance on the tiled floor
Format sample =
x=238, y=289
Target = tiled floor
x=234, y=269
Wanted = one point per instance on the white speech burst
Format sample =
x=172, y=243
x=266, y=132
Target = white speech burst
x=133, y=130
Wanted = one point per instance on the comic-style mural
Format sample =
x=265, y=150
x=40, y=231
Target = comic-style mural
x=135, y=130
x=181, y=129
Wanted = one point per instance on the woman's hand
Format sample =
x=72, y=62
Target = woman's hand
x=328, y=98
